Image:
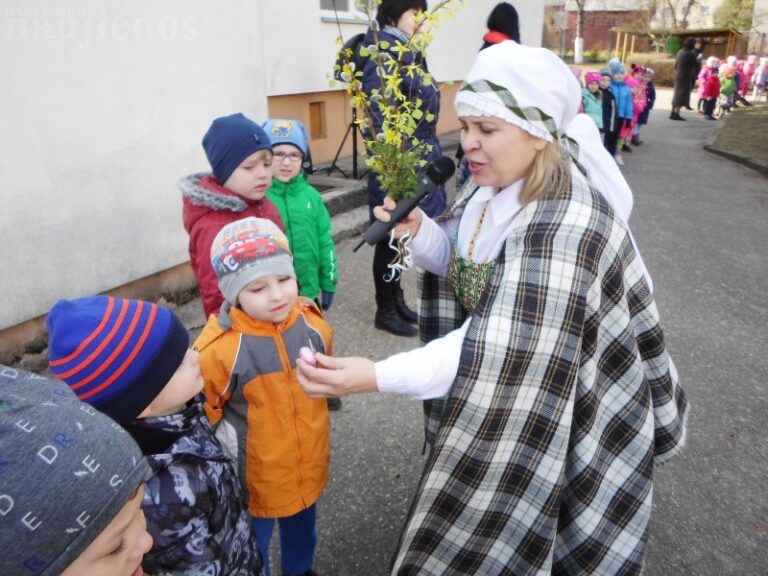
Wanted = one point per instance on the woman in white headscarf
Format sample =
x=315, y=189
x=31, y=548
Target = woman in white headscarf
x=543, y=335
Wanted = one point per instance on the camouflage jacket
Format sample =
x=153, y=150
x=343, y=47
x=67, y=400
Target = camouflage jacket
x=193, y=501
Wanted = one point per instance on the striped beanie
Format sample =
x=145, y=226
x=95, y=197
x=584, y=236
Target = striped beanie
x=114, y=353
x=67, y=471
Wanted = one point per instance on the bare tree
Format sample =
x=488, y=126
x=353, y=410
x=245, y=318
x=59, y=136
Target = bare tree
x=681, y=11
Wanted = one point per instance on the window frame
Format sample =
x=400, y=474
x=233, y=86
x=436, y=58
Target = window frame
x=352, y=15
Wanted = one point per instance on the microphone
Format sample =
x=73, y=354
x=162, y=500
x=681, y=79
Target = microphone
x=436, y=174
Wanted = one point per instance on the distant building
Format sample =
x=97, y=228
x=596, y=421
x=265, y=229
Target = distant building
x=603, y=16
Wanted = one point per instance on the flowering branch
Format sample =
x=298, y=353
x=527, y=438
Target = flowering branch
x=391, y=113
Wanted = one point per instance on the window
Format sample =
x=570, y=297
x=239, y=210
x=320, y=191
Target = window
x=348, y=11
x=317, y=120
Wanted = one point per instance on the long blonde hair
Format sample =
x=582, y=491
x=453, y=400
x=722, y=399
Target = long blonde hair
x=549, y=177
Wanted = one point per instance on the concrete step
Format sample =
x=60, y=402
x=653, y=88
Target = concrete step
x=340, y=194
x=347, y=203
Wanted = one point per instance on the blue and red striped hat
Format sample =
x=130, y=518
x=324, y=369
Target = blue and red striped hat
x=114, y=353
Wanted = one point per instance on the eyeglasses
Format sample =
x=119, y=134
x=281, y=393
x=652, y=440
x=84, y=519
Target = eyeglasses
x=290, y=156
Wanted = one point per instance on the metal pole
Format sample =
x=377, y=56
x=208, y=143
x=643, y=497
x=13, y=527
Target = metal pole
x=624, y=48
x=354, y=143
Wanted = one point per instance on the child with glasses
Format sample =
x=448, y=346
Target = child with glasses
x=240, y=156
x=306, y=220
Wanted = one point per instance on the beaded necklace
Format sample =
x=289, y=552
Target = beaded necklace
x=468, y=277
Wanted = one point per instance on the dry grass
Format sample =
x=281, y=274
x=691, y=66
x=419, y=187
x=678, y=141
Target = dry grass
x=746, y=133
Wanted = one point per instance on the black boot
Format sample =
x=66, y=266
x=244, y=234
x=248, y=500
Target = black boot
x=388, y=319
x=402, y=308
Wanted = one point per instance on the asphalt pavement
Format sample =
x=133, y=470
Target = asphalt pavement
x=700, y=222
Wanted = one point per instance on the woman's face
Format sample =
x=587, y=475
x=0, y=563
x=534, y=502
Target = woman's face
x=408, y=21
x=499, y=153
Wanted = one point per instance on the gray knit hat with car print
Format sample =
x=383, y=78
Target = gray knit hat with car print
x=66, y=470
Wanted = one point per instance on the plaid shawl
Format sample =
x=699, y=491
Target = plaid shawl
x=564, y=400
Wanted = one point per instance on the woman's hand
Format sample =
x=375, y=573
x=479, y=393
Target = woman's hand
x=411, y=223
x=335, y=376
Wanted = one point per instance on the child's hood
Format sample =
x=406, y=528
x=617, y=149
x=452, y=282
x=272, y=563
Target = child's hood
x=202, y=194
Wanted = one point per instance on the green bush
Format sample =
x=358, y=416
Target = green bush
x=596, y=55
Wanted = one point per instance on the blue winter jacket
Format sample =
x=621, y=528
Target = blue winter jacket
x=434, y=203
x=623, y=95
x=193, y=501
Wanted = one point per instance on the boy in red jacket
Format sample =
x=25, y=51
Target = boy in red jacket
x=240, y=155
x=710, y=94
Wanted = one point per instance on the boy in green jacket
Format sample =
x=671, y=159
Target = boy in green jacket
x=306, y=220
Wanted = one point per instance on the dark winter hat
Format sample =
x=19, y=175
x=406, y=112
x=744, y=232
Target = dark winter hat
x=114, y=353
x=229, y=141
x=247, y=250
x=287, y=132
x=67, y=470
x=605, y=72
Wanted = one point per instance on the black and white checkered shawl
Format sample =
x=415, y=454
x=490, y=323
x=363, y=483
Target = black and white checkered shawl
x=564, y=401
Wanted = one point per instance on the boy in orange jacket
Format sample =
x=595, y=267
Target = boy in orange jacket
x=278, y=436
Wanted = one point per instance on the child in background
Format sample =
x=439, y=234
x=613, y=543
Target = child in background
x=748, y=70
x=306, y=220
x=130, y=360
x=610, y=129
x=760, y=79
x=240, y=156
x=728, y=87
x=638, y=105
x=650, y=100
x=624, y=109
x=591, y=99
x=71, y=486
x=710, y=64
x=711, y=93
x=739, y=78
x=280, y=436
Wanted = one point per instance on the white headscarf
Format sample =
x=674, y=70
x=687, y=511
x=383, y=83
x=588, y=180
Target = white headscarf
x=533, y=89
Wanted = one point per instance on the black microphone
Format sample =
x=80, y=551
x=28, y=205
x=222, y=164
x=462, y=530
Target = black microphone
x=436, y=174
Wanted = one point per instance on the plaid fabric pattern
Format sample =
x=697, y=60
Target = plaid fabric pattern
x=564, y=400
x=440, y=312
x=541, y=120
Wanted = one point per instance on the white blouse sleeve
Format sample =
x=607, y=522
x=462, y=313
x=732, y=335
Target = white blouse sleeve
x=431, y=247
x=426, y=372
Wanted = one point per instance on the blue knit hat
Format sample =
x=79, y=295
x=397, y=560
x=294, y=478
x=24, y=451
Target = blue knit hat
x=287, y=132
x=616, y=68
x=114, y=353
x=67, y=471
x=229, y=141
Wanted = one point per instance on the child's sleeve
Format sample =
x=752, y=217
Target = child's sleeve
x=201, y=237
x=328, y=274
x=217, y=384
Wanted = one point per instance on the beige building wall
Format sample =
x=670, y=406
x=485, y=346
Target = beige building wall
x=104, y=106
x=335, y=113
